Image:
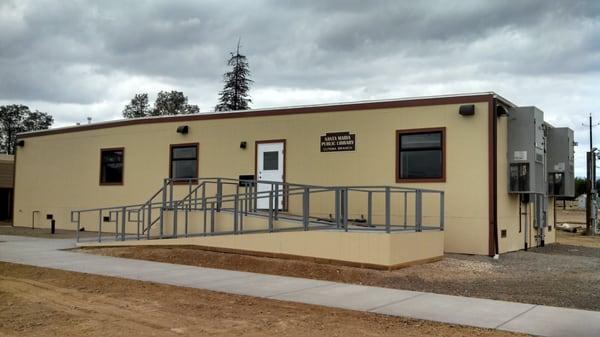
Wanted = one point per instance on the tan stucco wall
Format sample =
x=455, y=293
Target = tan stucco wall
x=59, y=173
x=369, y=248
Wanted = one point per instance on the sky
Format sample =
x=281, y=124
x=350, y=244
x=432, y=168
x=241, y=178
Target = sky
x=79, y=59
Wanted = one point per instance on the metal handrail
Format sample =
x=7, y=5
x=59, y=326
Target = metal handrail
x=245, y=203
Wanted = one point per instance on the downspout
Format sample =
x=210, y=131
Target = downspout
x=493, y=248
x=495, y=126
x=14, y=187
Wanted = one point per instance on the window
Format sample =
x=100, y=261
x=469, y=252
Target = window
x=420, y=155
x=111, y=166
x=271, y=160
x=184, y=161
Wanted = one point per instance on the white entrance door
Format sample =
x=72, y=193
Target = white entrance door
x=269, y=167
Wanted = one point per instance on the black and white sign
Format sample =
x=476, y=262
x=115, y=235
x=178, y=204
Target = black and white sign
x=338, y=141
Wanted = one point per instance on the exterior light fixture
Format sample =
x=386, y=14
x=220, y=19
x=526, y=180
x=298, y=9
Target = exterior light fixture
x=466, y=110
x=243, y=145
x=501, y=111
x=182, y=129
x=21, y=143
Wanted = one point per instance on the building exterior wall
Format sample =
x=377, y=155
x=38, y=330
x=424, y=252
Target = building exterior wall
x=60, y=172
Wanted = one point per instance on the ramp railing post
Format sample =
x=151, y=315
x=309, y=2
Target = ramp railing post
x=418, y=209
x=387, y=209
x=276, y=208
x=405, y=208
x=338, y=221
x=271, y=211
x=241, y=224
x=196, y=197
x=174, y=210
x=149, y=220
x=442, y=211
x=345, y=208
x=186, y=214
x=123, y=222
x=369, y=208
x=219, y=194
x=246, y=199
x=137, y=222
x=141, y=221
x=204, y=208
x=255, y=191
x=190, y=193
x=171, y=193
x=236, y=200
x=116, y=223
x=212, y=217
x=305, y=208
x=100, y=226
x=204, y=196
x=78, y=224
x=162, y=209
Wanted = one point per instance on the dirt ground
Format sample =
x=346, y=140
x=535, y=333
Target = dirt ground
x=571, y=215
x=558, y=275
x=46, y=302
x=578, y=239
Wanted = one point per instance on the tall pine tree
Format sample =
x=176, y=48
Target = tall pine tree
x=234, y=95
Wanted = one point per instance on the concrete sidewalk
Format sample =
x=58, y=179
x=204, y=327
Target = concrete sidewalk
x=510, y=316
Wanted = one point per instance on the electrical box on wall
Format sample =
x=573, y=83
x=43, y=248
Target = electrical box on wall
x=561, y=171
x=526, y=151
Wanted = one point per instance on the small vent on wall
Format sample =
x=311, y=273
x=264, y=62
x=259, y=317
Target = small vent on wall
x=503, y=233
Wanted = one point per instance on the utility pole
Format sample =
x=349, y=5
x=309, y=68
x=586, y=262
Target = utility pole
x=590, y=208
x=591, y=126
x=589, y=214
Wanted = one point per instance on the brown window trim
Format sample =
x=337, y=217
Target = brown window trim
x=171, y=147
x=417, y=131
x=123, y=162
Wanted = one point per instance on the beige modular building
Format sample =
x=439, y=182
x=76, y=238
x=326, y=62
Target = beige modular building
x=6, y=186
x=386, y=182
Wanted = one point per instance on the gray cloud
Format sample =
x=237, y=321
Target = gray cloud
x=85, y=58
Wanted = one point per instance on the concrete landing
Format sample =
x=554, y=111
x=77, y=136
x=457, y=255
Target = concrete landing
x=484, y=313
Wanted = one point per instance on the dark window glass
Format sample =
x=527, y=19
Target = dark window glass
x=184, y=161
x=421, y=155
x=421, y=164
x=422, y=141
x=271, y=160
x=184, y=152
x=111, y=167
